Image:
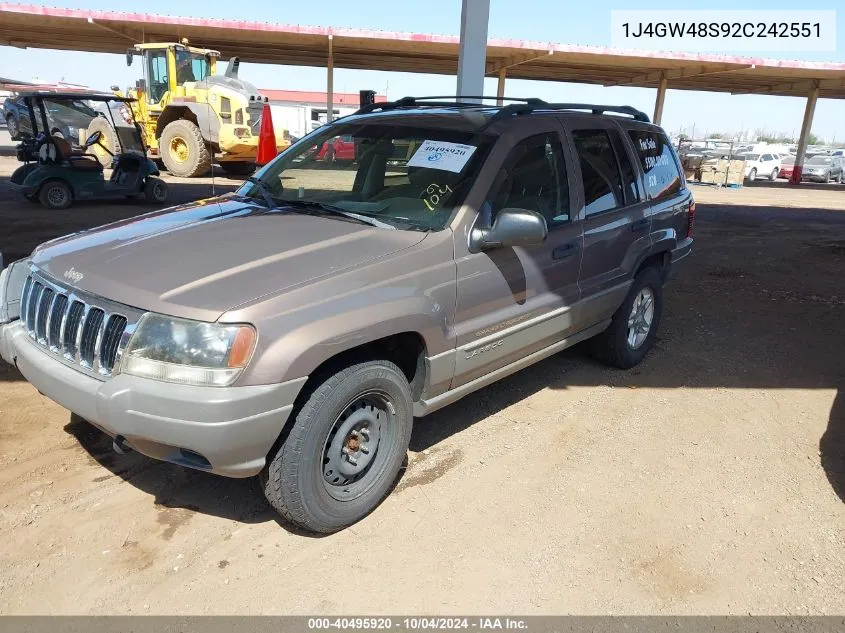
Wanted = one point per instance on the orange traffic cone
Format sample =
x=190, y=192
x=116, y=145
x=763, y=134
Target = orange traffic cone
x=266, y=138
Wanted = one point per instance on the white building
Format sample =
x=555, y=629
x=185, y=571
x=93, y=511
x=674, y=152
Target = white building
x=301, y=111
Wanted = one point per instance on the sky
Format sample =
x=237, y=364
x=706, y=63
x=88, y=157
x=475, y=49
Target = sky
x=558, y=21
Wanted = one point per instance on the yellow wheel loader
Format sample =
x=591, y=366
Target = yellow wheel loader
x=189, y=115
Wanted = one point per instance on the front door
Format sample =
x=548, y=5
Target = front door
x=617, y=224
x=512, y=302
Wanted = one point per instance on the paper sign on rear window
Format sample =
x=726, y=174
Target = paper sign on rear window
x=442, y=155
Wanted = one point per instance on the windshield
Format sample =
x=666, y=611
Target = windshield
x=819, y=160
x=789, y=160
x=191, y=66
x=380, y=169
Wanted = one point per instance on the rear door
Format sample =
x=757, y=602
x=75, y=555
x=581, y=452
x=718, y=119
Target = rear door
x=664, y=186
x=616, y=219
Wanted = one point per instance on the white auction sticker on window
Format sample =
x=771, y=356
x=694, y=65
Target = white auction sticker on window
x=442, y=155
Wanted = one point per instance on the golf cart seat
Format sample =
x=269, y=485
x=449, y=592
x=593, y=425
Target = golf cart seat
x=75, y=158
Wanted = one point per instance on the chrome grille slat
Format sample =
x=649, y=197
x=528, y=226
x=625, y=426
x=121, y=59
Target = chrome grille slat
x=56, y=321
x=75, y=314
x=27, y=288
x=45, y=302
x=32, y=311
x=84, y=332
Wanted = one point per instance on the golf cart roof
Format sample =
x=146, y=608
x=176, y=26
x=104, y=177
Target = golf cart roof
x=85, y=96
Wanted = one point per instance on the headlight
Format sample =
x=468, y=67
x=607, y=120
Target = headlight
x=187, y=352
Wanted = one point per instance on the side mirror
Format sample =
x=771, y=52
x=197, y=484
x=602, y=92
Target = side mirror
x=512, y=227
x=130, y=55
x=93, y=139
x=141, y=85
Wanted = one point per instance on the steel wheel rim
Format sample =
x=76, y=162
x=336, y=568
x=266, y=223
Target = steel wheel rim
x=354, y=452
x=12, y=126
x=57, y=196
x=179, y=149
x=641, y=318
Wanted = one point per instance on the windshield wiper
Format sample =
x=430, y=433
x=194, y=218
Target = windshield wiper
x=265, y=191
x=330, y=208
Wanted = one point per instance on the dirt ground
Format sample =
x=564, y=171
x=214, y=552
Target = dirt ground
x=708, y=480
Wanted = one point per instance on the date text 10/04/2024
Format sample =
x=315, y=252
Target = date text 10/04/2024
x=417, y=623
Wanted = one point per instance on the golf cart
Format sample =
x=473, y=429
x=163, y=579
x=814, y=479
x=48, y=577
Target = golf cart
x=56, y=174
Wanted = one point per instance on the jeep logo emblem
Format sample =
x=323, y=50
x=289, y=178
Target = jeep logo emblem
x=73, y=275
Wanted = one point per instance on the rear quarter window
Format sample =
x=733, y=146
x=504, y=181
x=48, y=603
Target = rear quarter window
x=662, y=176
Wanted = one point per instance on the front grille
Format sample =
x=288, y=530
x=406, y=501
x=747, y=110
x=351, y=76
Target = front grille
x=85, y=332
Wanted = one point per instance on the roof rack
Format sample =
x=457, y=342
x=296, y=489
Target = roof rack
x=519, y=106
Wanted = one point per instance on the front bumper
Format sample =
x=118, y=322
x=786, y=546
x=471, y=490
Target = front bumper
x=224, y=430
x=814, y=177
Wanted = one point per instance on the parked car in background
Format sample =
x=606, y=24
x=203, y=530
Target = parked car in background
x=338, y=148
x=765, y=165
x=839, y=152
x=69, y=117
x=787, y=165
x=823, y=169
x=294, y=328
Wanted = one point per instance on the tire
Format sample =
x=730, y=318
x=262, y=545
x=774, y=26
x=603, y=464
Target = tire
x=613, y=346
x=155, y=190
x=12, y=126
x=305, y=481
x=752, y=175
x=183, y=149
x=55, y=194
x=109, y=140
x=774, y=174
x=238, y=168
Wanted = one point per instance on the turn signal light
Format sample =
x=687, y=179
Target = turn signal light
x=242, y=346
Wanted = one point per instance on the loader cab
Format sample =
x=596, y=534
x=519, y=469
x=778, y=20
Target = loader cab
x=168, y=67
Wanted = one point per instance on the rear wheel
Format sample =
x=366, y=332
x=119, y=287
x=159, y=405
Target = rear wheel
x=183, y=149
x=774, y=174
x=633, y=328
x=237, y=168
x=55, y=194
x=752, y=175
x=344, y=450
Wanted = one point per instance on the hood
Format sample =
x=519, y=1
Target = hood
x=201, y=259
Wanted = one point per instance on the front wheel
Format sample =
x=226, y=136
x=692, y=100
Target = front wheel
x=633, y=328
x=183, y=149
x=155, y=190
x=774, y=174
x=752, y=175
x=344, y=449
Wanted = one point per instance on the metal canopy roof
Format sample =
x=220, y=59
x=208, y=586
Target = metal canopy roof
x=114, y=32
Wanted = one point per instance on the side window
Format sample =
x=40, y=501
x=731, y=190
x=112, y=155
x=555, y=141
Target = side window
x=158, y=76
x=534, y=178
x=629, y=180
x=599, y=171
x=662, y=177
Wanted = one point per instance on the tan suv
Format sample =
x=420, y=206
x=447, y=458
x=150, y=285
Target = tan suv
x=293, y=329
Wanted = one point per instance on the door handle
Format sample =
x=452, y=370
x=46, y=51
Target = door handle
x=565, y=250
x=640, y=225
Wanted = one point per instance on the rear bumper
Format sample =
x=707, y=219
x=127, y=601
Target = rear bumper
x=227, y=430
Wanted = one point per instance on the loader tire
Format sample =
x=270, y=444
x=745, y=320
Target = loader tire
x=107, y=141
x=183, y=149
